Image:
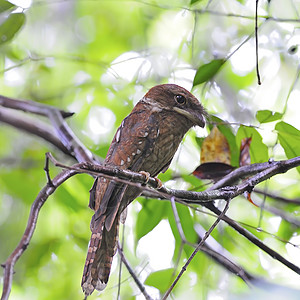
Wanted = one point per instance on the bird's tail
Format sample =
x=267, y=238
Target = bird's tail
x=102, y=248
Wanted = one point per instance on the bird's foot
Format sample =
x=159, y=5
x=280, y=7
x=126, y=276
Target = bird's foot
x=147, y=176
x=159, y=184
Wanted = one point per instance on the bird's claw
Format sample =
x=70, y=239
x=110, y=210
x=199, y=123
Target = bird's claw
x=147, y=176
x=159, y=184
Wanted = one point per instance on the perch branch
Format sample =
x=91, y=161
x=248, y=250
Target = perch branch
x=204, y=198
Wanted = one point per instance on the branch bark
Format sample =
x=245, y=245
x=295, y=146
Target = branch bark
x=36, y=128
x=56, y=117
x=30, y=228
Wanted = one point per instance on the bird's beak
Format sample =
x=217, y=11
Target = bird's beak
x=196, y=116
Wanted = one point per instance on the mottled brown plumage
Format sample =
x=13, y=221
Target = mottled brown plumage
x=146, y=140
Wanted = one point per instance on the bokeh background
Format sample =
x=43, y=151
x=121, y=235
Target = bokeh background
x=97, y=58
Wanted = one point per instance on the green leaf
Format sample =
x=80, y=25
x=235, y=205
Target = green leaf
x=258, y=150
x=199, y=141
x=194, y=1
x=289, y=139
x=160, y=279
x=265, y=116
x=5, y=5
x=11, y=26
x=149, y=216
x=208, y=71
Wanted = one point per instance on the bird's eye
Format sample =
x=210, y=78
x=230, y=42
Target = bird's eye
x=180, y=99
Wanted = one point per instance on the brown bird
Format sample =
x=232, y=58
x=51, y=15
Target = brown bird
x=146, y=140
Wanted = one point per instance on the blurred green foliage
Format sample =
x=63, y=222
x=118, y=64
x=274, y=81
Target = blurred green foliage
x=97, y=59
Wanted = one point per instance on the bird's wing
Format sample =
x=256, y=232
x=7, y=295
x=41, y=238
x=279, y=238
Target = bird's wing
x=133, y=141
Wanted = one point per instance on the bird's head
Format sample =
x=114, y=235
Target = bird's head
x=174, y=98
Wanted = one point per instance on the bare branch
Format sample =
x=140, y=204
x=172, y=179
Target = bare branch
x=67, y=137
x=252, y=238
x=177, y=221
x=256, y=44
x=34, y=127
x=139, y=284
x=30, y=228
x=220, y=255
x=212, y=249
x=278, y=197
x=30, y=106
x=213, y=226
x=263, y=172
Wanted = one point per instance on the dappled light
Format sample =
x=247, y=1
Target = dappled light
x=97, y=59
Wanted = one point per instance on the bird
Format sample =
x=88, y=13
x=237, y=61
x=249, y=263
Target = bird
x=146, y=141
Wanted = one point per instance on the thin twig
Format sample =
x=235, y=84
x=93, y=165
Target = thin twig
x=220, y=255
x=121, y=247
x=196, y=250
x=278, y=198
x=177, y=221
x=252, y=238
x=256, y=44
x=211, y=248
x=139, y=284
x=47, y=171
x=277, y=212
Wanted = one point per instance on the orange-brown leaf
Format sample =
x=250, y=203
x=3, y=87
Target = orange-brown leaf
x=215, y=148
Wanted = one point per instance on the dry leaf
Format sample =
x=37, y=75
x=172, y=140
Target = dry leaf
x=215, y=148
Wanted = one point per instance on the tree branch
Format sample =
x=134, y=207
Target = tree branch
x=212, y=249
x=30, y=106
x=35, y=127
x=204, y=198
x=213, y=226
x=56, y=116
x=278, y=197
x=31, y=224
x=131, y=272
